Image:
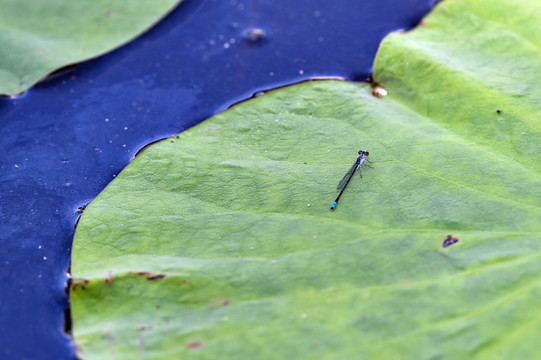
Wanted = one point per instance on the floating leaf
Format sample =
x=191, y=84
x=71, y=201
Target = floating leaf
x=219, y=243
x=39, y=37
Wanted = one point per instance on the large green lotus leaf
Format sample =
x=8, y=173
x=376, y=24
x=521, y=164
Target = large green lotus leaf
x=38, y=37
x=219, y=243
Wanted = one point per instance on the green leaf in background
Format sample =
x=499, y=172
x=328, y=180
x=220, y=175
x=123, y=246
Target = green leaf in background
x=219, y=244
x=38, y=37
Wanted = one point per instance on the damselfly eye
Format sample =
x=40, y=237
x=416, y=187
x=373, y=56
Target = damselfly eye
x=367, y=153
x=360, y=152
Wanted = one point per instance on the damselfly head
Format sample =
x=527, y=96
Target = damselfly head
x=365, y=153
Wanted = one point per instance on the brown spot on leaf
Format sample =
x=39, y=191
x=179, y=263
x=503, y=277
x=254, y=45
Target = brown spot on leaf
x=195, y=344
x=449, y=240
x=79, y=283
x=156, y=277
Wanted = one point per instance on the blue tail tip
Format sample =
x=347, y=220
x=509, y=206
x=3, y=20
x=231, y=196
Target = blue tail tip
x=333, y=206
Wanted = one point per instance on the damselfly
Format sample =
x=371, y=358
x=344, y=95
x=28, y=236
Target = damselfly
x=361, y=160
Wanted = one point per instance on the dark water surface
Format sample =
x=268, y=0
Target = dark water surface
x=65, y=139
